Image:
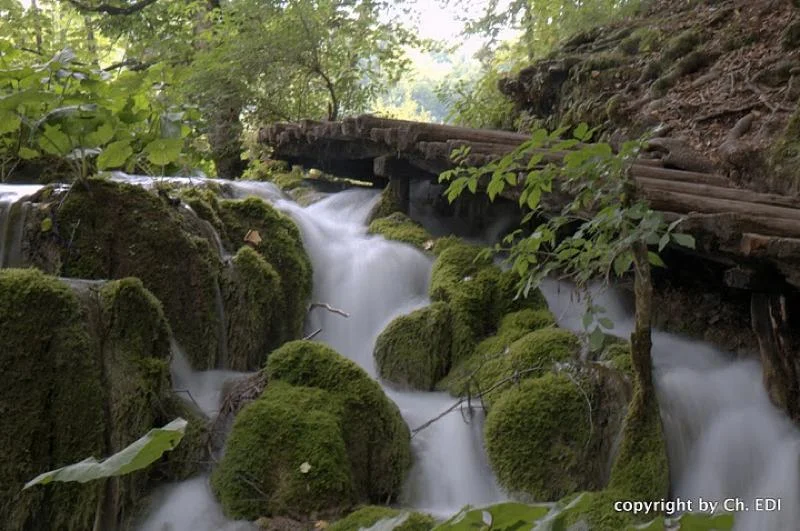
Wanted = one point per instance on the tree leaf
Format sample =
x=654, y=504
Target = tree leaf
x=686, y=240
x=9, y=121
x=114, y=155
x=606, y=323
x=663, y=242
x=163, y=151
x=655, y=260
x=53, y=141
x=102, y=135
x=140, y=454
x=596, y=339
x=622, y=263
x=26, y=153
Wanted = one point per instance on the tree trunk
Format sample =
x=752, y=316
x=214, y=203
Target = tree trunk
x=641, y=341
x=769, y=315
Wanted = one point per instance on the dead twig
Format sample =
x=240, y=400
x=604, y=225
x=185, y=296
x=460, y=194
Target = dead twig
x=327, y=307
x=513, y=378
x=313, y=334
x=588, y=403
x=189, y=394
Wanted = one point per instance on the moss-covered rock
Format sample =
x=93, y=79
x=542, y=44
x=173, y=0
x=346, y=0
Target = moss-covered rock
x=501, y=358
x=368, y=516
x=84, y=373
x=401, y=228
x=281, y=246
x=387, y=204
x=414, y=350
x=320, y=409
x=538, y=436
x=109, y=230
x=478, y=293
x=263, y=472
x=253, y=297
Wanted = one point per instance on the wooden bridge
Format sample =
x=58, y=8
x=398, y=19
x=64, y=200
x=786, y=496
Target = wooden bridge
x=756, y=234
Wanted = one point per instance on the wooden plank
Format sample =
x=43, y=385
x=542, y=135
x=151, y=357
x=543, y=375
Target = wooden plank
x=681, y=202
x=720, y=192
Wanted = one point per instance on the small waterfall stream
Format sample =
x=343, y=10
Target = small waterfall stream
x=724, y=438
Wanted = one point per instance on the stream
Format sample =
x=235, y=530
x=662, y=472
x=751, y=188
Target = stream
x=724, y=438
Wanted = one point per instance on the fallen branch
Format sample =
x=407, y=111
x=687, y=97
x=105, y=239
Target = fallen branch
x=313, y=334
x=189, y=394
x=327, y=307
x=513, y=378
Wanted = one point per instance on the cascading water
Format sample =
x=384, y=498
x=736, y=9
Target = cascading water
x=725, y=440
x=13, y=210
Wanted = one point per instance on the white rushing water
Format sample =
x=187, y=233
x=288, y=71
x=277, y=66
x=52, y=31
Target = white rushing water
x=725, y=440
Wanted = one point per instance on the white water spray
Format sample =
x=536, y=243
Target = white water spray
x=725, y=440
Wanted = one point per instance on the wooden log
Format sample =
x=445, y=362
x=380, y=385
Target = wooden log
x=440, y=132
x=654, y=172
x=720, y=192
x=681, y=202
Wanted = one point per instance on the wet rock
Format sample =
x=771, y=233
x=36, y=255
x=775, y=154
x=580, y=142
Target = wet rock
x=85, y=372
x=322, y=437
x=414, y=350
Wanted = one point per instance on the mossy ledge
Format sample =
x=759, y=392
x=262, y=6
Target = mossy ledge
x=368, y=516
x=401, y=228
x=85, y=373
x=322, y=437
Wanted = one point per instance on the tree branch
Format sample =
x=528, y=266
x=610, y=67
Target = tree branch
x=327, y=307
x=112, y=10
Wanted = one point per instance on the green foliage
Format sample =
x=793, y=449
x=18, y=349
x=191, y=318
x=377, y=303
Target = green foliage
x=86, y=118
x=557, y=516
x=139, y=454
x=591, y=236
x=370, y=515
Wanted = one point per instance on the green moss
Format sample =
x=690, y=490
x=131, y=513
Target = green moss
x=51, y=406
x=117, y=230
x=262, y=471
x=252, y=293
x=387, y=204
x=529, y=356
x=361, y=444
x=414, y=350
x=537, y=438
x=681, y=45
x=368, y=516
x=399, y=227
x=86, y=367
x=446, y=242
x=527, y=320
x=281, y=246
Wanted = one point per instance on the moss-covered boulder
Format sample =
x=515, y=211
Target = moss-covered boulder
x=513, y=354
x=414, y=350
x=387, y=205
x=401, y=228
x=558, y=433
x=253, y=296
x=322, y=437
x=282, y=247
x=368, y=516
x=84, y=373
x=538, y=436
x=478, y=293
x=109, y=230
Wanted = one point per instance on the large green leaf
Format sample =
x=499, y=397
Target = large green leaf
x=114, y=155
x=163, y=151
x=102, y=135
x=138, y=455
x=9, y=122
x=508, y=516
x=54, y=141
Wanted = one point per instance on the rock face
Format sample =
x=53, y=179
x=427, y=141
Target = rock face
x=322, y=437
x=85, y=372
x=721, y=79
x=224, y=314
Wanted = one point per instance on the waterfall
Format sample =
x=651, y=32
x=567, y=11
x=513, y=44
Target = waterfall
x=376, y=280
x=13, y=211
x=725, y=440
x=724, y=437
